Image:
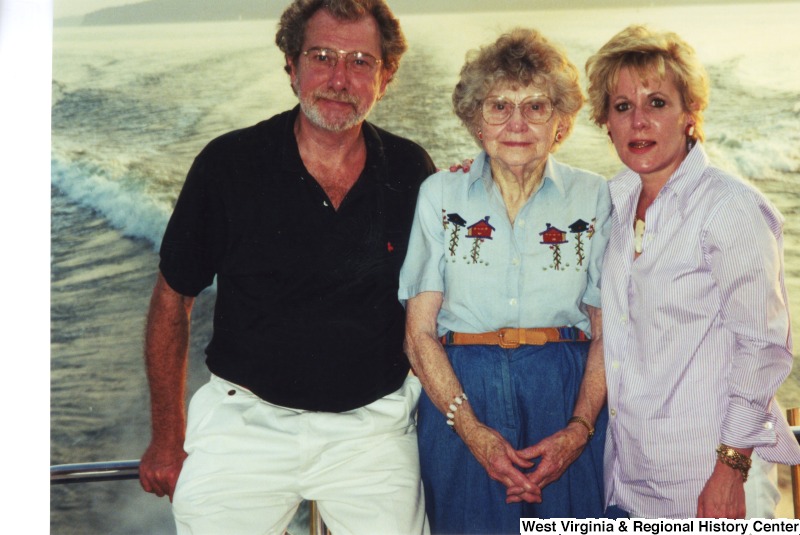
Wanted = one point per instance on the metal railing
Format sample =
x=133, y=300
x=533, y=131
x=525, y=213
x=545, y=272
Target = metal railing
x=793, y=417
x=121, y=470
x=94, y=472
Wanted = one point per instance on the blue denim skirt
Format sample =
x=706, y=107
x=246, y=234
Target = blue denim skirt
x=526, y=394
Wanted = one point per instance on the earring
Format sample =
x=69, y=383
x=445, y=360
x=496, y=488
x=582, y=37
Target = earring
x=690, y=139
x=559, y=137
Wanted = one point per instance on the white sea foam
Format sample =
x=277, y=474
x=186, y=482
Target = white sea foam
x=134, y=213
x=152, y=102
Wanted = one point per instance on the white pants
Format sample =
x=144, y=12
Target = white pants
x=761, y=494
x=251, y=463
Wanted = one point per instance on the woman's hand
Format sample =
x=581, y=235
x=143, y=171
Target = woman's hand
x=723, y=494
x=430, y=363
x=502, y=462
x=557, y=452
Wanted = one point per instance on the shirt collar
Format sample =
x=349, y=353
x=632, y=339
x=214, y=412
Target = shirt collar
x=481, y=173
x=290, y=154
x=552, y=175
x=685, y=180
x=375, y=167
x=626, y=186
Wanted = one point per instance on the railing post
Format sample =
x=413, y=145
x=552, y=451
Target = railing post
x=316, y=524
x=793, y=417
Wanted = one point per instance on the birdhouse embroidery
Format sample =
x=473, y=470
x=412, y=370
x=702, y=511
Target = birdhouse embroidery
x=554, y=238
x=480, y=231
x=458, y=223
x=578, y=228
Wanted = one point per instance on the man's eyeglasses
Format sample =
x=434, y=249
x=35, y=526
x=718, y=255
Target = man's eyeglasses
x=322, y=59
x=498, y=110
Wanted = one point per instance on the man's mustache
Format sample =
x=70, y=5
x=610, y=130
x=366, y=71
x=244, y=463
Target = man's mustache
x=336, y=97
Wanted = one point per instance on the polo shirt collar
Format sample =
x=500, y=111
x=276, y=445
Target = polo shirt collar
x=375, y=166
x=289, y=152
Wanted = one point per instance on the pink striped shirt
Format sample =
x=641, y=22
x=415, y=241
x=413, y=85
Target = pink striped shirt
x=696, y=336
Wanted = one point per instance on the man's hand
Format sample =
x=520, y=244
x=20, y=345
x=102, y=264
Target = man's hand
x=464, y=166
x=723, y=494
x=159, y=469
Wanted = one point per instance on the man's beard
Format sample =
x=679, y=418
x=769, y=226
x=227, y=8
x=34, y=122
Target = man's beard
x=340, y=123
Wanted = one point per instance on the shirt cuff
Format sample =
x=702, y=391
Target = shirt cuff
x=431, y=284
x=745, y=427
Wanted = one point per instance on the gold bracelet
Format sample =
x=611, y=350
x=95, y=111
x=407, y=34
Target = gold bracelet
x=584, y=423
x=730, y=457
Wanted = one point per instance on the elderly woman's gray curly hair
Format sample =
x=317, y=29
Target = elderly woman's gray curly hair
x=520, y=58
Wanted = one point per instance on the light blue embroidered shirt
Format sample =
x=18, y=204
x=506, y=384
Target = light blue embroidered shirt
x=537, y=273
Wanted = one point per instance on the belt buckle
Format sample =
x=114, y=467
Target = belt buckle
x=509, y=338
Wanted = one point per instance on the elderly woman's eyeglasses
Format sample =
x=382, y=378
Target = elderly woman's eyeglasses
x=498, y=110
x=322, y=59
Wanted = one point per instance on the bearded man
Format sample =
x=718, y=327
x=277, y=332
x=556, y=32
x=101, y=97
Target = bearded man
x=303, y=219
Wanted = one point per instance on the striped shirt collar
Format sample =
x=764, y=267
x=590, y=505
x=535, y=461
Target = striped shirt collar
x=626, y=186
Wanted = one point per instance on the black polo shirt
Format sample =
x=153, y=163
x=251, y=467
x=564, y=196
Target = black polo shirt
x=307, y=314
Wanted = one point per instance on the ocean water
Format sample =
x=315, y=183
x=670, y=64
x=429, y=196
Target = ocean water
x=132, y=105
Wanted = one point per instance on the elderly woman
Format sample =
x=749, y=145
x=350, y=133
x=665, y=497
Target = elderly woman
x=501, y=282
x=696, y=325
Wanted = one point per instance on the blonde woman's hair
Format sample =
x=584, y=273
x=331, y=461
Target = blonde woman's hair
x=648, y=53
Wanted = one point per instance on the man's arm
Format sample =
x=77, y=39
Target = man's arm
x=166, y=358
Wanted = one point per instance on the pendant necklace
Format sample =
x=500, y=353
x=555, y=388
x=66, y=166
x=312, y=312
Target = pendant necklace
x=638, y=233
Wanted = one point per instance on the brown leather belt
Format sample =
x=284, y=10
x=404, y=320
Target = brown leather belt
x=510, y=338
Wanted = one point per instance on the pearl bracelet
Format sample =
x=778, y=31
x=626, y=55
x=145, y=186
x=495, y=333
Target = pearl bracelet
x=457, y=401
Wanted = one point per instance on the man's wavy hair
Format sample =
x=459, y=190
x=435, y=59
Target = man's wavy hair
x=648, y=53
x=292, y=27
x=520, y=58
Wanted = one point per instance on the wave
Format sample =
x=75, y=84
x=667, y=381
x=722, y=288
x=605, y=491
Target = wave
x=129, y=209
x=764, y=157
x=736, y=119
x=757, y=159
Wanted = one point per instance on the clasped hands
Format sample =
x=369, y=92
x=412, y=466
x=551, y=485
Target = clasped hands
x=505, y=464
